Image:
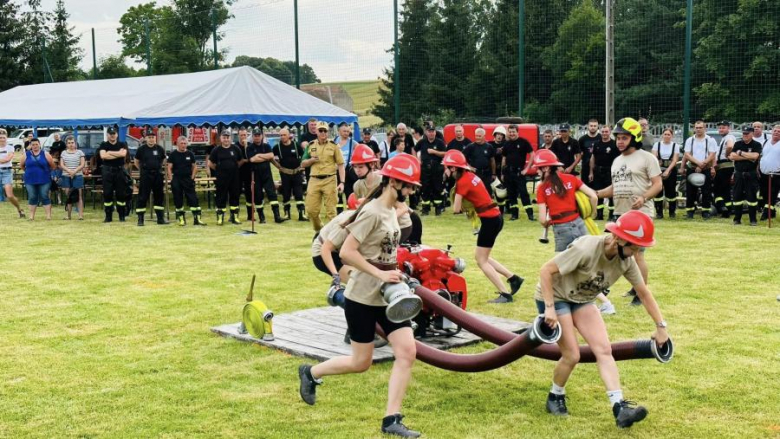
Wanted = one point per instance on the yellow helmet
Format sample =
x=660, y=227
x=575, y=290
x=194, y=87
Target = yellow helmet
x=628, y=125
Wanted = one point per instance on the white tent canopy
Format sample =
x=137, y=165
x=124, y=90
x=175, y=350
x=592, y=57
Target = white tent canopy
x=235, y=95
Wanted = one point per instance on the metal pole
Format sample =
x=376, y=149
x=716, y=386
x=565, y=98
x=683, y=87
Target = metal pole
x=396, y=85
x=43, y=58
x=148, y=49
x=214, y=37
x=521, y=58
x=94, y=56
x=609, y=95
x=687, y=86
x=297, y=53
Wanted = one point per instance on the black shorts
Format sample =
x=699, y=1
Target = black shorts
x=320, y=264
x=362, y=320
x=489, y=230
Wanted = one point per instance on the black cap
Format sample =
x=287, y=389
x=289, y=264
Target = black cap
x=149, y=132
x=257, y=132
x=226, y=133
x=111, y=130
x=430, y=127
x=564, y=127
x=366, y=131
x=724, y=122
x=747, y=129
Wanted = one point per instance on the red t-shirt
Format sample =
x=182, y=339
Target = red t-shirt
x=471, y=187
x=557, y=205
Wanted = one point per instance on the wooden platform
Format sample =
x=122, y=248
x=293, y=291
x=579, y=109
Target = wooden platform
x=318, y=333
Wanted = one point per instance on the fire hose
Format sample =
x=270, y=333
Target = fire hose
x=513, y=344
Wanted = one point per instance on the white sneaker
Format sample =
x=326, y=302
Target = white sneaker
x=608, y=308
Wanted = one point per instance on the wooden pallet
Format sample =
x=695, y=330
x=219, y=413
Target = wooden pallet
x=318, y=333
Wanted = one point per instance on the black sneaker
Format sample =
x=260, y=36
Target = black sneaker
x=502, y=298
x=753, y=224
x=308, y=386
x=737, y=222
x=392, y=425
x=627, y=413
x=636, y=301
x=556, y=404
x=515, y=282
x=630, y=293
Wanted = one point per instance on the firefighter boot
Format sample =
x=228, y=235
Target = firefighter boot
x=220, y=217
x=287, y=211
x=261, y=215
x=234, y=216
x=530, y=212
x=196, y=220
x=109, y=214
x=249, y=213
x=301, y=214
x=181, y=219
x=140, y=220
x=161, y=217
x=515, y=213
x=659, y=210
x=277, y=218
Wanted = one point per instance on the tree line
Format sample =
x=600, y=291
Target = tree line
x=459, y=59
x=41, y=46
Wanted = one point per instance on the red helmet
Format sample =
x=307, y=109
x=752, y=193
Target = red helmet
x=402, y=167
x=545, y=157
x=455, y=159
x=635, y=227
x=353, y=202
x=362, y=154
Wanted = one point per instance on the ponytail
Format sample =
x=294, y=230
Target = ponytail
x=555, y=181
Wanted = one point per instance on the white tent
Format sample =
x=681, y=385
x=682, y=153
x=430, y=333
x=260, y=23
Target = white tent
x=235, y=95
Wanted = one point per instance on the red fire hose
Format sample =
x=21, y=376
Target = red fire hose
x=627, y=350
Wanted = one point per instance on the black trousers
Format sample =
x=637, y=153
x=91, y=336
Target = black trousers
x=245, y=175
x=692, y=192
x=515, y=183
x=486, y=175
x=292, y=185
x=668, y=193
x=745, y=188
x=763, y=189
x=264, y=185
x=432, y=184
x=114, y=186
x=602, y=179
x=151, y=183
x=184, y=187
x=721, y=187
x=228, y=189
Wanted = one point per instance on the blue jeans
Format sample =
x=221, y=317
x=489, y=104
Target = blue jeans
x=38, y=193
x=77, y=182
x=566, y=233
x=562, y=308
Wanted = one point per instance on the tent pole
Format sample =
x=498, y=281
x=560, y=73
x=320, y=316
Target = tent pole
x=297, y=53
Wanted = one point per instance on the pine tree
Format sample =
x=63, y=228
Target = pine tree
x=10, y=50
x=63, y=52
x=33, y=28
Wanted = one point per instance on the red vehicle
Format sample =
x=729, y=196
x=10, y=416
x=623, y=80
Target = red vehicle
x=528, y=131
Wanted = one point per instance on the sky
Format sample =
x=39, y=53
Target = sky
x=341, y=39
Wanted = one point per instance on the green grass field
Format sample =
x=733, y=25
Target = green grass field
x=364, y=95
x=104, y=333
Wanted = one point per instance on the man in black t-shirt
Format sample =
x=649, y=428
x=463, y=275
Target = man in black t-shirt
x=112, y=154
x=481, y=156
x=288, y=155
x=587, y=141
x=181, y=173
x=600, y=169
x=225, y=161
x=460, y=141
x=260, y=155
x=567, y=150
x=745, y=154
x=245, y=171
x=517, y=160
x=368, y=141
x=431, y=150
x=149, y=160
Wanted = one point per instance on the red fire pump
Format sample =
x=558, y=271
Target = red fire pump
x=441, y=273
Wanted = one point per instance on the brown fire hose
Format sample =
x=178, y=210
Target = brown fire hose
x=626, y=350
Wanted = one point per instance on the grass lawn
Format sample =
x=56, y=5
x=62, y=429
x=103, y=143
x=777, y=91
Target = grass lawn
x=104, y=332
x=364, y=95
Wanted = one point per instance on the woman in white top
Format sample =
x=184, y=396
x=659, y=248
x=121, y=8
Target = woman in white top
x=7, y=171
x=72, y=162
x=668, y=155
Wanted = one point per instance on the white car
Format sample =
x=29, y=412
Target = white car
x=18, y=137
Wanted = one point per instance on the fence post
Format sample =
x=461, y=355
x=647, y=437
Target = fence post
x=687, y=86
x=396, y=84
x=521, y=57
x=609, y=95
x=94, y=56
x=297, y=54
x=148, y=49
x=214, y=37
x=43, y=58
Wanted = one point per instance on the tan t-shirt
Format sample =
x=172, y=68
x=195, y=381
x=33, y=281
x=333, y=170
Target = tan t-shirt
x=584, y=271
x=631, y=176
x=333, y=232
x=376, y=229
x=361, y=188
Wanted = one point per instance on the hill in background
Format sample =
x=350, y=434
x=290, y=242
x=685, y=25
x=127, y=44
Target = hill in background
x=356, y=96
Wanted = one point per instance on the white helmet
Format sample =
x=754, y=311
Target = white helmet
x=499, y=189
x=499, y=130
x=697, y=179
